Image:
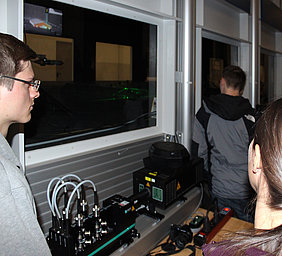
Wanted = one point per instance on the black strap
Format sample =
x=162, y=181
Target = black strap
x=191, y=247
x=203, y=118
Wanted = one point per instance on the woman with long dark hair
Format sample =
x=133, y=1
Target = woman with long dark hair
x=265, y=175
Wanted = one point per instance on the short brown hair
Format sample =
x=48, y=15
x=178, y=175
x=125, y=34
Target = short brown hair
x=235, y=77
x=12, y=52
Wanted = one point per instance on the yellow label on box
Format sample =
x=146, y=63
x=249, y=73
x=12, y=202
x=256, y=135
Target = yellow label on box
x=147, y=178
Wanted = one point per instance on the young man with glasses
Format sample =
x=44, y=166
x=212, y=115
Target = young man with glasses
x=20, y=231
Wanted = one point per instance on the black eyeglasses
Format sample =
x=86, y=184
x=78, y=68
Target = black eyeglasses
x=35, y=84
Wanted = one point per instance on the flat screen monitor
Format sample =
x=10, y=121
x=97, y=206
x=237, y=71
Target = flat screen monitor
x=42, y=20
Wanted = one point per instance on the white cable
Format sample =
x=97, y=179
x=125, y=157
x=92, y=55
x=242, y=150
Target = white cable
x=53, y=194
x=56, y=193
x=71, y=175
x=202, y=195
x=48, y=195
x=54, y=198
x=56, y=186
x=72, y=194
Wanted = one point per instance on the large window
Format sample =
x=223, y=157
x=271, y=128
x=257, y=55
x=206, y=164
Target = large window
x=98, y=73
x=215, y=56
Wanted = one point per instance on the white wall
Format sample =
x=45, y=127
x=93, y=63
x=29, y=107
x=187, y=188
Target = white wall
x=278, y=77
x=221, y=19
x=158, y=6
x=272, y=41
x=268, y=37
x=278, y=66
x=278, y=42
x=11, y=17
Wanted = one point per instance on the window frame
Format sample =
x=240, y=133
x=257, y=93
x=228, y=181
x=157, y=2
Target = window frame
x=203, y=33
x=270, y=53
x=165, y=122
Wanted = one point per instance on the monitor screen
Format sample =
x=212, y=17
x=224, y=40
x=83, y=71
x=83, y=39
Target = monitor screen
x=42, y=20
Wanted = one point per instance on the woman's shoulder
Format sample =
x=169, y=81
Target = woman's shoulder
x=253, y=251
x=220, y=249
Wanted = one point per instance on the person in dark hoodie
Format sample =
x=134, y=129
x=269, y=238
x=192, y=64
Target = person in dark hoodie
x=223, y=129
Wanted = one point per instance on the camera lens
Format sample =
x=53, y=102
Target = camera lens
x=183, y=237
x=181, y=240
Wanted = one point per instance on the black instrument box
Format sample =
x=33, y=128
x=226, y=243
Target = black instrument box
x=168, y=173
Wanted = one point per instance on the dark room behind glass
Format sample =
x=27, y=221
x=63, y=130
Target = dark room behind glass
x=98, y=74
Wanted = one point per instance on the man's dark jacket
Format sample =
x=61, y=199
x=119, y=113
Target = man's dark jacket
x=223, y=129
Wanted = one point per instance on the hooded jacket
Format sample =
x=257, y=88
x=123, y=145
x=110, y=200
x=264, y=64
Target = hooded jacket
x=223, y=129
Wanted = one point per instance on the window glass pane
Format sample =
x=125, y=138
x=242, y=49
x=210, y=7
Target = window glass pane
x=113, y=62
x=215, y=56
x=98, y=73
x=266, y=79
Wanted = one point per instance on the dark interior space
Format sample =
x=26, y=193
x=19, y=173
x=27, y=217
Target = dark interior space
x=213, y=53
x=84, y=107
